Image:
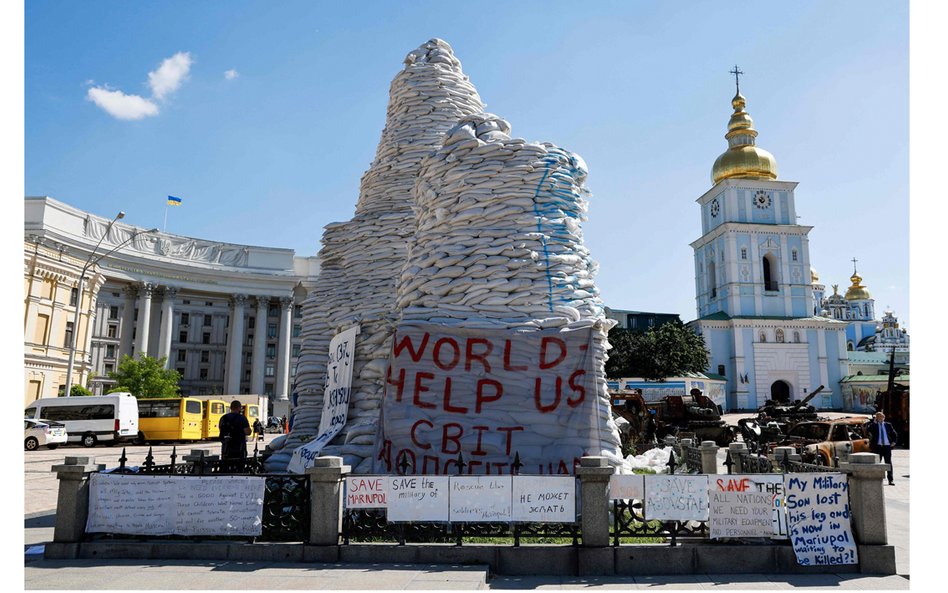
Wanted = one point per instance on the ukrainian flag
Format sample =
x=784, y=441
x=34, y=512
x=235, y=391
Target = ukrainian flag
x=173, y=201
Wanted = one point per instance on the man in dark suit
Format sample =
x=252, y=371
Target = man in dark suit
x=882, y=437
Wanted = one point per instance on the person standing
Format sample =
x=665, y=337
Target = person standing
x=234, y=429
x=882, y=437
x=257, y=429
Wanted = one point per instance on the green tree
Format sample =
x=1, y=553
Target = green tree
x=76, y=391
x=145, y=377
x=667, y=350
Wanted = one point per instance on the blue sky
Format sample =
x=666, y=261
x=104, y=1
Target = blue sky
x=641, y=90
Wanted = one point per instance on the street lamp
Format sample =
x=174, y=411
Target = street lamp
x=82, y=277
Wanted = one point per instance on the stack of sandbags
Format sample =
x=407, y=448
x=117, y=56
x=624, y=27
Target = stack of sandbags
x=499, y=245
x=361, y=259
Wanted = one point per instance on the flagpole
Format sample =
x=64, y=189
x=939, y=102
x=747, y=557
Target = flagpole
x=165, y=227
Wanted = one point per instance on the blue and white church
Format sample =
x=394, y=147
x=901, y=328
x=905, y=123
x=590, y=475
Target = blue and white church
x=753, y=283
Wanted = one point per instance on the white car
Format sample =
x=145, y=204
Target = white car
x=43, y=432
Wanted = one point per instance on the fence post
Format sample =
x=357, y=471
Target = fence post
x=325, y=500
x=72, y=504
x=593, y=474
x=737, y=449
x=198, y=458
x=709, y=457
x=866, y=500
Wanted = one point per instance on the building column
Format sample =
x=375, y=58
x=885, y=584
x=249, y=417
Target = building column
x=144, y=316
x=128, y=321
x=259, y=345
x=281, y=390
x=235, y=342
x=167, y=323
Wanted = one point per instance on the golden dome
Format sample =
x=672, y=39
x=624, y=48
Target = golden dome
x=857, y=292
x=743, y=159
x=814, y=277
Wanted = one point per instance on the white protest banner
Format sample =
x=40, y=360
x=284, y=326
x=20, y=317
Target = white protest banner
x=489, y=395
x=676, y=497
x=480, y=499
x=740, y=506
x=626, y=486
x=818, y=518
x=175, y=505
x=544, y=499
x=417, y=498
x=367, y=492
x=335, y=399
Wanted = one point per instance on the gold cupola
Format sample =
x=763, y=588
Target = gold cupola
x=743, y=159
x=857, y=292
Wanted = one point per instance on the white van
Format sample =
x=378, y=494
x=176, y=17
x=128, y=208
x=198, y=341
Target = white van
x=90, y=419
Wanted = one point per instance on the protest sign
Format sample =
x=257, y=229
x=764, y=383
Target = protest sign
x=367, y=492
x=676, y=497
x=818, y=519
x=417, y=498
x=175, y=505
x=544, y=499
x=626, y=487
x=482, y=499
x=335, y=399
x=489, y=395
x=740, y=506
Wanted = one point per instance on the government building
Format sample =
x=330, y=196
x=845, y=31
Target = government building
x=226, y=316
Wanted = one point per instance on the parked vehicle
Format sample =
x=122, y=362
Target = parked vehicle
x=214, y=409
x=774, y=419
x=828, y=440
x=274, y=422
x=88, y=420
x=40, y=433
x=169, y=419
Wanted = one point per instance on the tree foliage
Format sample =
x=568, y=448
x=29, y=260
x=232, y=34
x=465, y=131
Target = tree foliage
x=145, y=377
x=667, y=350
x=76, y=391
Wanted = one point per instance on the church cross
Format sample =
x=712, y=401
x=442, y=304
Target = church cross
x=854, y=265
x=737, y=81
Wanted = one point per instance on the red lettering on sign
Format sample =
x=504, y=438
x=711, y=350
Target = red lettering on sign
x=507, y=367
x=456, y=357
x=447, y=399
x=480, y=398
x=470, y=355
x=544, y=363
x=579, y=389
x=472, y=464
x=385, y=454
x=454, y=438
x=732, y=485
x=400, y=383
x=509, y=430
x=398, y=346
x=537, y=400
x=424, y=464
x=418, y=443
x=419, y=389
x=480, y=432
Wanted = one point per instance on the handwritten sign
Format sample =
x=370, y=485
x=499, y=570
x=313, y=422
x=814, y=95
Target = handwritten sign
x=626, y=486
x=741, y=506
x=335, y=399
x=544, y=499
x=480, y=499
x=366, y=492
x=818, y=519
x=417, y=498
x=175, y=505
x=488, y=394
x=678, y=498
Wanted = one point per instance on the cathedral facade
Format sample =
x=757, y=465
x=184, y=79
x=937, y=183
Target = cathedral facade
x=756, y=302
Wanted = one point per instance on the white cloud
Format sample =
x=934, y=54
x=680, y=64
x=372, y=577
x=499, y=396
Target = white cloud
x=231, y=74
x=169, y=76
x=122, y=106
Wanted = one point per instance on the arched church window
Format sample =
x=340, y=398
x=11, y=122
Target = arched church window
x=770, y=272
x=796, y=337
x=849, y=346
x=763, y=336
x=779, y=336
x=712, y=280
x=793, y=255
x=743, y=252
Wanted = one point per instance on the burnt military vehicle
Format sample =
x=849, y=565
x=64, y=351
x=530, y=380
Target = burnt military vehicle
x=774, y=419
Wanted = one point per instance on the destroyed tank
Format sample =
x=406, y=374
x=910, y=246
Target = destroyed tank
x=774, y=419
x=696, y=414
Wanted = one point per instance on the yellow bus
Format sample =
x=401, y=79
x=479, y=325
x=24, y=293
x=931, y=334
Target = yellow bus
x=213, y=410
x=169, y=419
x=252, y=412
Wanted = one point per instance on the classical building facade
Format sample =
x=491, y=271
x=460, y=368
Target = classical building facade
x=226, y=316
x=755, y=298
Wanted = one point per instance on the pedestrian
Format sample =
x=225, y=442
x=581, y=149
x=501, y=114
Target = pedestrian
x=234, y=430
x=283, y=422
x=257, y=429
x=882, y=437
